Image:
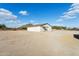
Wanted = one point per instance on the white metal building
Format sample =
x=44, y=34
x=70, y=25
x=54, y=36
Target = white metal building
x=39, y=27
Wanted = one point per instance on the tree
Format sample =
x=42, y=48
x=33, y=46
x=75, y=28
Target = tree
x=58, y=27
x=2, y=26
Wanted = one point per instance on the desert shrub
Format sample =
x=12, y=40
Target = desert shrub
x=2, y=26
x=58, y=27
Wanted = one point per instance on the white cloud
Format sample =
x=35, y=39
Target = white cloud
x=7, y=15
x=23, y=12
x=58, y=24
x=14, y=24
x=8, y=18
x=32, y=21
x=71, y=13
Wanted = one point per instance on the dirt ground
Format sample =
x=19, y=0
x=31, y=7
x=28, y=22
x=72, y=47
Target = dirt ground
x=23, y=43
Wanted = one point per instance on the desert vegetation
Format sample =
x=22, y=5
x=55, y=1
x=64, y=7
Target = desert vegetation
x=24, y=27
x=3, y=27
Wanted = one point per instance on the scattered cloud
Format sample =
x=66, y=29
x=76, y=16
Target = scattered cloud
x=58, y=24
x=23, y=12
x=71, y=13
x=7, y=15
x=32, y=21
x=9, y=19
x=15, y=24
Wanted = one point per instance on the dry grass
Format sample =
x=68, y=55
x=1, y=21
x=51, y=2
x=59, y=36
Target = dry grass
x=38, y=43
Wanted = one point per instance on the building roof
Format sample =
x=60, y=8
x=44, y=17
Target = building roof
x=32, y=25
x=38, y=25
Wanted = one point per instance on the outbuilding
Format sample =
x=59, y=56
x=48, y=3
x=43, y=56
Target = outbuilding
x=39, y=27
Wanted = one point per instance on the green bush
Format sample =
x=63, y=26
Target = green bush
x=58, y=27
x=2, y=26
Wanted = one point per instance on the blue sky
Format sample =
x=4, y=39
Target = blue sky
x=61, y=14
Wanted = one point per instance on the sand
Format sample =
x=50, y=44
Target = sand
x=23, y=43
